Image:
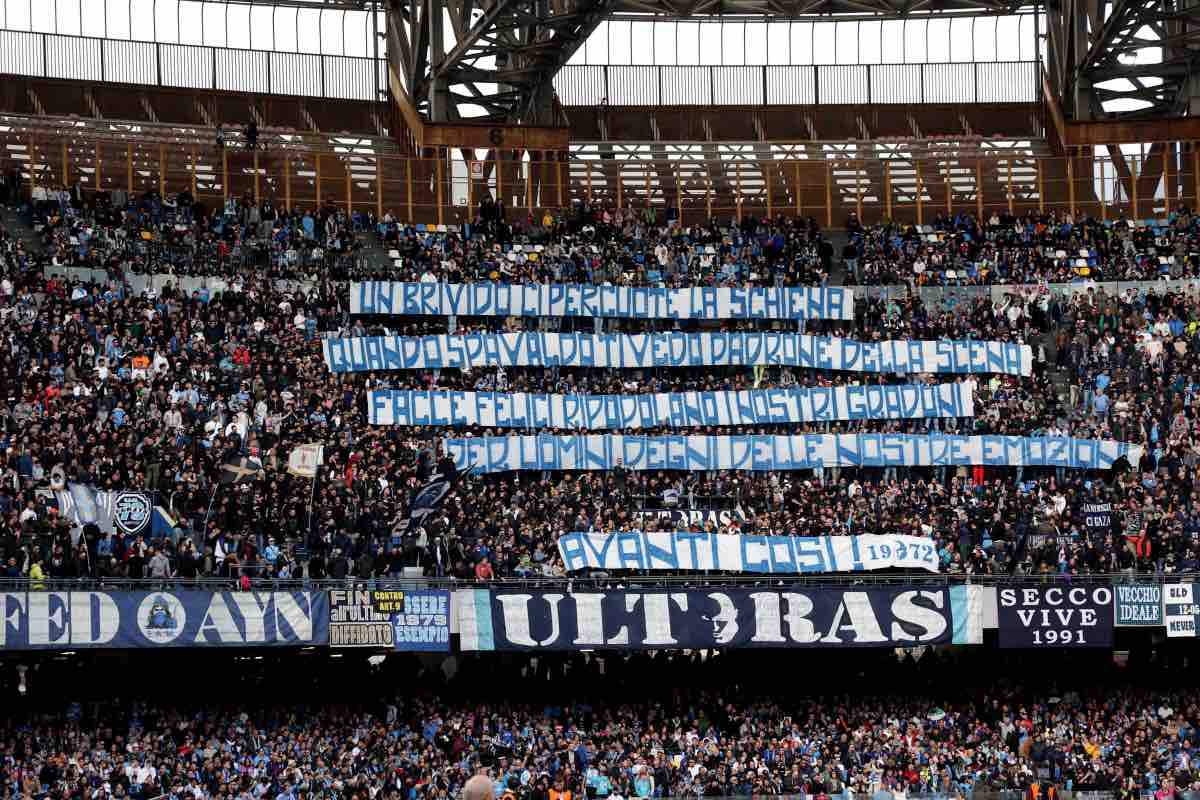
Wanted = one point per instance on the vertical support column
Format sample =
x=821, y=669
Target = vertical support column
x=257, y=188
x=678, y=194
x=620, y=187
x=287, y=182
x=225, y=173
x=499, y=175
x=162, y=171
x=828, y=194
x=318, y=170
x=588, y=188
x=438, y=166
x=979, y=190
x=737, y=188
x=379, y=189
x=1010, y=191
x=1168, y=157
x=947, y=187
x=470, y=188
x=708, y=196
x=858, y=190
x=129, y=171
x=1196, y=172
x=558, y=172
x=66, y=167
x=1103, y=192
x=770, y=201
x=887, y=189
x=349, y=189
x=33, y=168
x=1042, y=189
x=193, y=157
x=1133, y=188
x=799, y=205
x=920, y=191
x=1070, y=183
x=408, y=182
x=99, y=187
x=529, y=172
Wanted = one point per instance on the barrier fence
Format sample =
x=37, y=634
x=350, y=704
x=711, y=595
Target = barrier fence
x=915, y=186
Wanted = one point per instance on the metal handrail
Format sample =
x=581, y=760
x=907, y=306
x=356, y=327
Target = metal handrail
x=605, y=580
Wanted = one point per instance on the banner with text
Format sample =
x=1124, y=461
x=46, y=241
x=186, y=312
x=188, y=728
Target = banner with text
x=703, y=619
x=673, y=349
x=1055, y=616
x=685, y=550
x=1181, y=612
x=408, y=620
x=73, y=620
x=1138, y=604
x=585, y=300
x=769, y=452
x=670, y=409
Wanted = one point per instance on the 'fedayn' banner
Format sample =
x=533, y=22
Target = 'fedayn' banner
x=769, y=452
x=1138, y=604
x=32, y=620
x=583, y=300
x=670, y=409
x=674, y=349
x=705, y=619
x=687, y=550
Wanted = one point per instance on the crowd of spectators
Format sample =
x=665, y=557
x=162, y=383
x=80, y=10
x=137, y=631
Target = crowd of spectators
x=120, y=389
x=697, y=725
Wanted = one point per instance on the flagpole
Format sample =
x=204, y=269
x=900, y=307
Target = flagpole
x=212, y=499
x=312, y=493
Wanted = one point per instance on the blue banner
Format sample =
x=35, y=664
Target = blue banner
x=584, y=300
x=712, y=618
x=1138, y=604
x=670, y=409
x=768, y=452
x=689, y=550
x=674, y=349
x=405, y=620
x=188, y=618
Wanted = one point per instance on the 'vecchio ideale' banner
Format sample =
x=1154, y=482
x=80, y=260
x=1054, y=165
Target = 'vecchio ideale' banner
x=674, y=349
x=688, y=550
x=675, y=409
x=583, y=300
x=767, y=452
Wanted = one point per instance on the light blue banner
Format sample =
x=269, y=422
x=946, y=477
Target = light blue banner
x=802, y=451
x=697, y=550
x=585, y=300
x=675, y=409
x=674, y=349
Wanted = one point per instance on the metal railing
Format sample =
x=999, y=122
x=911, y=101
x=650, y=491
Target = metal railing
x=627, y=579
x=907, y=182
x=816, y=84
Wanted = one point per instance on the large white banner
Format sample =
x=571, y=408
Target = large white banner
x=585, y=300
x=674, y=409
x=674, y=349
x=767, y=452
x=688, y=550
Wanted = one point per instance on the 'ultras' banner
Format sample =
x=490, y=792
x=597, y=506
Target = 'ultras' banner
x=768, y=452
x=585, y=300
x=673, y=409
x=718, y=618
x=673, y=349
x=685, y=550
x=31, y=620
x=1055, y=616
x=409, y=620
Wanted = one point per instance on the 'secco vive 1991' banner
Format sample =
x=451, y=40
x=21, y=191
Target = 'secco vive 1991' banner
x=1055, y=616
x=75, y=620
x=718, y=618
